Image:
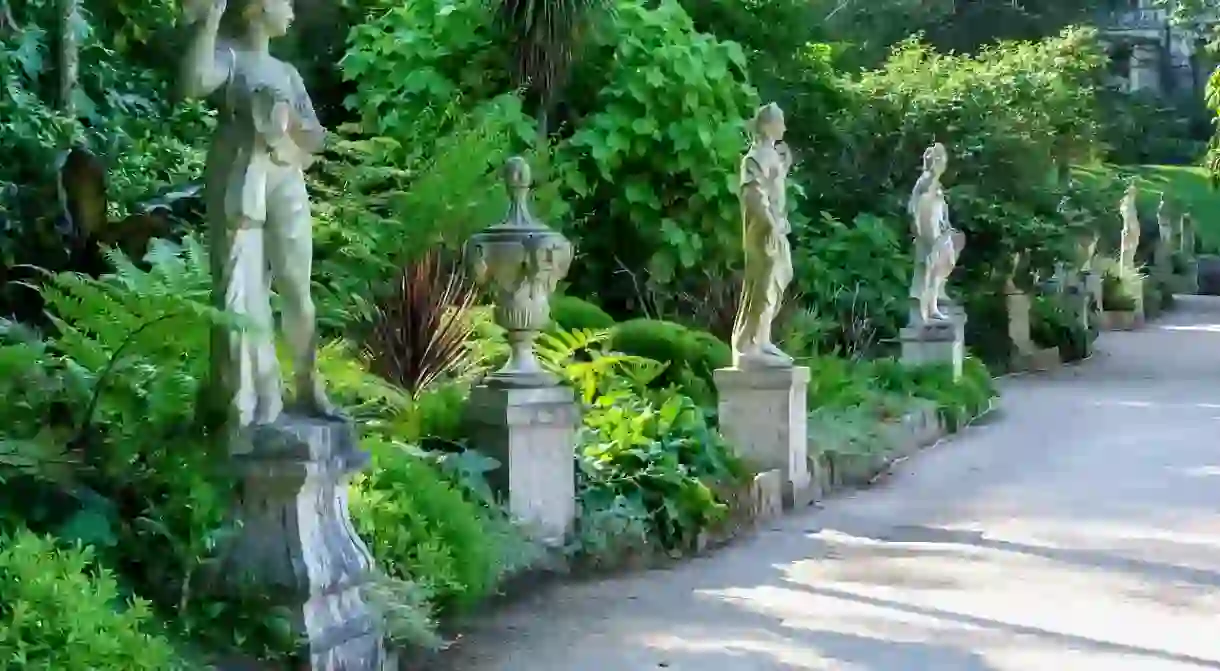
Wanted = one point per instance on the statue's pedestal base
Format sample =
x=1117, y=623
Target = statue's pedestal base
x=763, y=414
x=1115, y=320
x=936, y=344
x=296, y=539
x=1037, y=360
x=1187, y=282
x=532, y=432
x=1093, y=287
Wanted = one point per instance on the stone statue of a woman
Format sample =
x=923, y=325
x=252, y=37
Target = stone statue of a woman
x=1130, y=240
x=937, y=243
x=257, y=206
x=1164, y=225
x=765, y=228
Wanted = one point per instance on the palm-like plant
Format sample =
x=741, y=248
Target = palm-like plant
x=544, y=37
x=422, y=327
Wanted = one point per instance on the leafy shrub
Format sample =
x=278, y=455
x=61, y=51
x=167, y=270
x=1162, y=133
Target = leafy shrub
x=59, y=610
x=423, y=529
x=123, y=115
x=958, y=401
x=1118, y=292
x=570, y=313
x=649, y=460
x=658, y=131
x=135, y=471
x=1013, y=117
x=1142, y=128
x=1053, y=324
x=858, y=273
x=380, y=207
x=839, y=383
x=692, y=355
x=987, y=328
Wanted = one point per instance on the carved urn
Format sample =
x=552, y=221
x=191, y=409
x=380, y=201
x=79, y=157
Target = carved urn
x=521, y=261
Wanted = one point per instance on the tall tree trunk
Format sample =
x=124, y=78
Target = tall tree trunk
x=69, y=55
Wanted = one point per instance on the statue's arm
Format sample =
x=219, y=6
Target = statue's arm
x=921, y=187
x=206, y=66
x=753, y=196
x=310, y=134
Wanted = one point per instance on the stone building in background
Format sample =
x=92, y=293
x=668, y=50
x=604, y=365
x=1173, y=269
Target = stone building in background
x=1152, y=54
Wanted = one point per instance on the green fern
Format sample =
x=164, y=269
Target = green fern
x=141, y=336
x=579, y=358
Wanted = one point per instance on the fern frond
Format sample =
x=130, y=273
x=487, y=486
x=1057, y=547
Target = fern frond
x=561, y=347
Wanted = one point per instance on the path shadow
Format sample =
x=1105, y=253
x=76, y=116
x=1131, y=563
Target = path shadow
x=1067, y=640
x=1093, y=559
x=817, y=648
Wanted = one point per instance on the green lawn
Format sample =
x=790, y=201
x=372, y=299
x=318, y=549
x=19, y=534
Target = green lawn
x=1188, y=185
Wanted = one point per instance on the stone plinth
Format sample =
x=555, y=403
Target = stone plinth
x=764, y=416
x=1039, y=360
x=1018, y=321
x=296, y=539
x=1093, y=286
x=936, y=343
x=532, y=432
x=1141, y=312
x=1187, y=282
x=1119, y=320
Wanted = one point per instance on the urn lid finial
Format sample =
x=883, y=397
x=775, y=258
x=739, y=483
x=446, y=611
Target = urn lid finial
x=518, y=180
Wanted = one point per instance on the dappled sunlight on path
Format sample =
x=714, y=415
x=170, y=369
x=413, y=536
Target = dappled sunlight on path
x=1080, y=530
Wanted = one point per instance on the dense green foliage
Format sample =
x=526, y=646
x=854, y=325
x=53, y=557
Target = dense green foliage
x=58, y=611
x=633, y=116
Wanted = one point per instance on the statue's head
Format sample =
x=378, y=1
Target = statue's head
x=769, y=122
x=936, y=159
x=271, y=16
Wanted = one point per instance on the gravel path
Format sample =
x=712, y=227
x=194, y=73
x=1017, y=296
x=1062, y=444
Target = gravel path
x=1078, y=531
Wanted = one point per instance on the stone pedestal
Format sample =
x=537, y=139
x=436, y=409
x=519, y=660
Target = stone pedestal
x=1017, y=304
x=296, y=539
x=532, y=432
x=1126, y=320
x=1188, y=281
x=763, y=414
x=936, y=343
x=1137, y=286
x=1093, y=286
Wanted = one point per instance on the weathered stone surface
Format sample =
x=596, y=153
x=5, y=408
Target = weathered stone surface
x=1018, y=321
x=763, y=415
x=1039, y=360
x=767, y=494
x=532, y=432
x=937, y=243
x=936, y=343
x=768, y=257
x=296, y=538
x=1115, y=320
x=1209, y=275
x=521, y=260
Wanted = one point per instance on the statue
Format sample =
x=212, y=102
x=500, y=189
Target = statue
x=765, y=228
x=937, y=243
x=1086, y=250
x=1186, y=241
x=1131, y=229
x=258, y=209
x=1164, y=225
